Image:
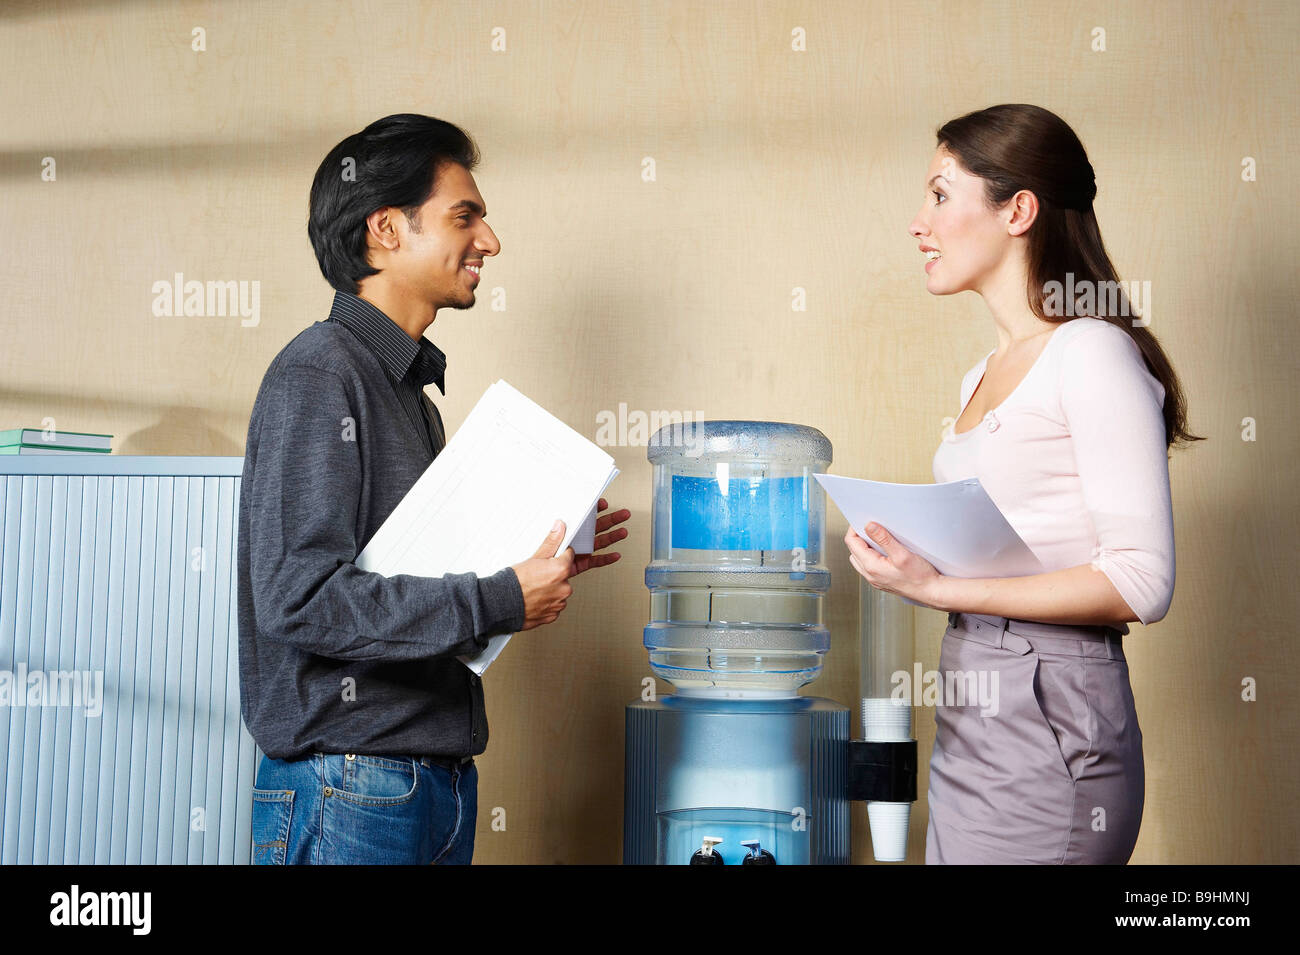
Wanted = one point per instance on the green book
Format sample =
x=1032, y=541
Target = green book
x=37, y=437
x=48, y=449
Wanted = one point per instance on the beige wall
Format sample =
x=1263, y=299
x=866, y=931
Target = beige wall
x=775, y=169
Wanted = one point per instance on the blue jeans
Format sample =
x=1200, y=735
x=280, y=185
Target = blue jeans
x=363, y=810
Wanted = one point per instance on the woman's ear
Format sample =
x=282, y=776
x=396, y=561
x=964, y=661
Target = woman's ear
x=1023, y=207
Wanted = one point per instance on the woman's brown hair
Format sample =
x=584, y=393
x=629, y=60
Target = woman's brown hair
x=1017, y=146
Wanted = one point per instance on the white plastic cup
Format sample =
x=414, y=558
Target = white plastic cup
x=889, y=825
x=886, y=720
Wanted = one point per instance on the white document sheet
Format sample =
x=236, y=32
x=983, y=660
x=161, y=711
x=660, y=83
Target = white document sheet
x=491, y=496
x=955, y=526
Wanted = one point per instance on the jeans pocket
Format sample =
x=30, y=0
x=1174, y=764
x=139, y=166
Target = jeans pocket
x=378, y=780
x=272, y=814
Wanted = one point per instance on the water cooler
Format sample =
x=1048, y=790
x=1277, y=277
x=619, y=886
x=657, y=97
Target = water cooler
x=736, y=767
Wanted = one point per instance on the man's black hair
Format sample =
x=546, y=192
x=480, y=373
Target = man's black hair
x=392, y=162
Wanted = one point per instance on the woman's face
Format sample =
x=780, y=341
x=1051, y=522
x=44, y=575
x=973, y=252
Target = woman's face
x=972, y=240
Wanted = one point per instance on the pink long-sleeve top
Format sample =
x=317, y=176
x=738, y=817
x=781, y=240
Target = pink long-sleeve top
x=1076, y=460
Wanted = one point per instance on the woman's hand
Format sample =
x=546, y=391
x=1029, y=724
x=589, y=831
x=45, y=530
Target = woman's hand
x=902, y=572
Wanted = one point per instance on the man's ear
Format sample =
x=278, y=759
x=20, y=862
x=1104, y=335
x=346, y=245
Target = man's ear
x=381, y=229
x=1024, y=210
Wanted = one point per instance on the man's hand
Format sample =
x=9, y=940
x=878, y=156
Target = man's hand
x=588, y=561
x=544, y=579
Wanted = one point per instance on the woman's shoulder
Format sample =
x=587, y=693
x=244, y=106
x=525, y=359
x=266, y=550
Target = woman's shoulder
x=1094, y=349
x=1087, y=338
x=1089, y=325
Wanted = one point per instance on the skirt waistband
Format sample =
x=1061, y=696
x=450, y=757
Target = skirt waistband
x=1022, y=636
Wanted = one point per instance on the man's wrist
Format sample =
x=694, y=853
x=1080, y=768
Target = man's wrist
x=504, y=599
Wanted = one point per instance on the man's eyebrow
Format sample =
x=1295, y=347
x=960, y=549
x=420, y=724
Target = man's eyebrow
x=469, y=204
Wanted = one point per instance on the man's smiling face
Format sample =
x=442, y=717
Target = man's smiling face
x=444, y=246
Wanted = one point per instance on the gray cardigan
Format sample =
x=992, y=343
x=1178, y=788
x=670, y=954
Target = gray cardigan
x=334, y=659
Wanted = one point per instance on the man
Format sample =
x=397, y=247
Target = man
x=349, y=680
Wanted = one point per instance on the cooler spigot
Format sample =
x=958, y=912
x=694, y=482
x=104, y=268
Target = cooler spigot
x=705, y=855
x=757, y=854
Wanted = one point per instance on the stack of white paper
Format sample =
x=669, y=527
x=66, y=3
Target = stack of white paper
x=491, y=496
x=955, y=526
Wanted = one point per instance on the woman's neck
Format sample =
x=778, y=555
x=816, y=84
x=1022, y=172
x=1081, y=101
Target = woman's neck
x=1013, y=319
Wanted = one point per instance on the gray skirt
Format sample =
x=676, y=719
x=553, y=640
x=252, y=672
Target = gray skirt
x=1038, y=754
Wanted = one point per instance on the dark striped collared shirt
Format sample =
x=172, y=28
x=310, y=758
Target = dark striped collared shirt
x=410, y=365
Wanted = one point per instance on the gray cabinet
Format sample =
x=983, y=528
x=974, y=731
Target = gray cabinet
x=119, y=572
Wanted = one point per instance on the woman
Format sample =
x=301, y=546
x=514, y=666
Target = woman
x=1067, y=424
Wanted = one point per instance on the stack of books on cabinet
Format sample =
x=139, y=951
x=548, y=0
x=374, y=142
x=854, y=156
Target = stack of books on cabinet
x=49, y=441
